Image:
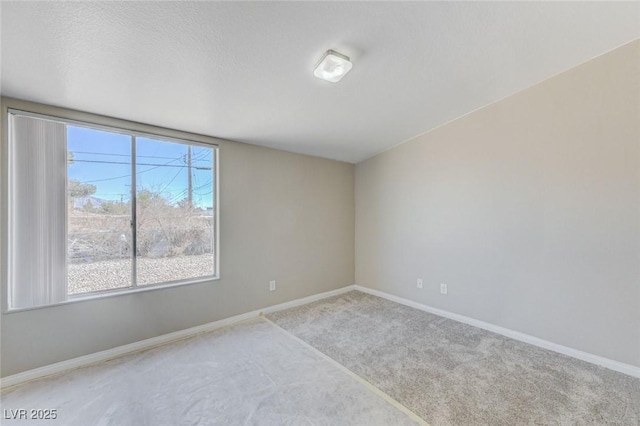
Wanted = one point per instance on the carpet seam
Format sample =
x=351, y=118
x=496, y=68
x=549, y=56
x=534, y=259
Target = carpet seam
x=350, y=373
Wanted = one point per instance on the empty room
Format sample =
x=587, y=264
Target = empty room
x=319, y=213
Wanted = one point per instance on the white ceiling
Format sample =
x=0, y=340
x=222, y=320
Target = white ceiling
x=244, y=71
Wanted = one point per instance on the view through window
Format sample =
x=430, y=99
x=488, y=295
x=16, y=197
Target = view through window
x=140, y=210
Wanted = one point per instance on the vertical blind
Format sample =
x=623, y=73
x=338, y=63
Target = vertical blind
x=37, y=212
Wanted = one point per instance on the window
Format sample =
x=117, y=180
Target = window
x=97, y=210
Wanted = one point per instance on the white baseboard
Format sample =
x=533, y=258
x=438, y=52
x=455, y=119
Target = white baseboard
x=631, y=370
x=94, y=358
x=82, y=361
x=308, y=299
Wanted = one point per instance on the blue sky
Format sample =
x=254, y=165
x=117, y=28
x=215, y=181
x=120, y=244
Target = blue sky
x=103, y=159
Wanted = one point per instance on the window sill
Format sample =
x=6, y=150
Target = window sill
x=118, y=292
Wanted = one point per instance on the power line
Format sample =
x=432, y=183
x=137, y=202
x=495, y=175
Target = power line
x=143, y=164
x=200, y=156
x=170, y=182
x=204, y=185
x=203, y=152
x=119, y=177
x=124, y=155
x=178, y=197
x=129, y=175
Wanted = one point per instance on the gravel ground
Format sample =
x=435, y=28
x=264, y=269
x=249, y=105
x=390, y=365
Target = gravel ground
x=110, y=274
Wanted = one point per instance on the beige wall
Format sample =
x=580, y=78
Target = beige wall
x=529, y=209
x=284, y=216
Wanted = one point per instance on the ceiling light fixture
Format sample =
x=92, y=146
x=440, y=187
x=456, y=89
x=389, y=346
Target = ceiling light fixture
x=333, y=66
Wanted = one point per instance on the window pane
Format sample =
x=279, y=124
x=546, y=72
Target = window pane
x=174, y=211
x=99, y=210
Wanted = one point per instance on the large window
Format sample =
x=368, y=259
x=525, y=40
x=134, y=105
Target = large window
x=97, y=210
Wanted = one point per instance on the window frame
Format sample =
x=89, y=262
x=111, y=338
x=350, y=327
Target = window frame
x=114, y=125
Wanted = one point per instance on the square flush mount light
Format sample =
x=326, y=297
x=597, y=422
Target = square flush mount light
x=333, y=66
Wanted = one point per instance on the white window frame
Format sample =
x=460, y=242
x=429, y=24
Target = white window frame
x=92, y=121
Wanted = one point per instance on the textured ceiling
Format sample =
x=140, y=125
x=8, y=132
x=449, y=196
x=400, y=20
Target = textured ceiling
x=244, y=71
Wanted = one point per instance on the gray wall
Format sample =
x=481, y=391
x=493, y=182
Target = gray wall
x=529, y=209
x=284, y=216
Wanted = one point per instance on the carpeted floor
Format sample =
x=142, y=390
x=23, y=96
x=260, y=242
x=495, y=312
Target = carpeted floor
x=451, y=373
x=252, y=373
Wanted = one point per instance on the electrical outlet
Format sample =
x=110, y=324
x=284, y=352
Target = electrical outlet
x=272, y=285
x=419, y=283
x=443, y=289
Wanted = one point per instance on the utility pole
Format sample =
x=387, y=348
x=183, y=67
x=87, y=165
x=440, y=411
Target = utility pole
x=189, y=177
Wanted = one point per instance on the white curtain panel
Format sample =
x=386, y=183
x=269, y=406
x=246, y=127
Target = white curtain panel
x=37, y=212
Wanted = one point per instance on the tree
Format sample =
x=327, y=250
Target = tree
x=78, y=189
x=146, y=198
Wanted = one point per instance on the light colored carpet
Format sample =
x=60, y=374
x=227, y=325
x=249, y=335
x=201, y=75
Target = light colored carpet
x=451, y=373
x=252, y=373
